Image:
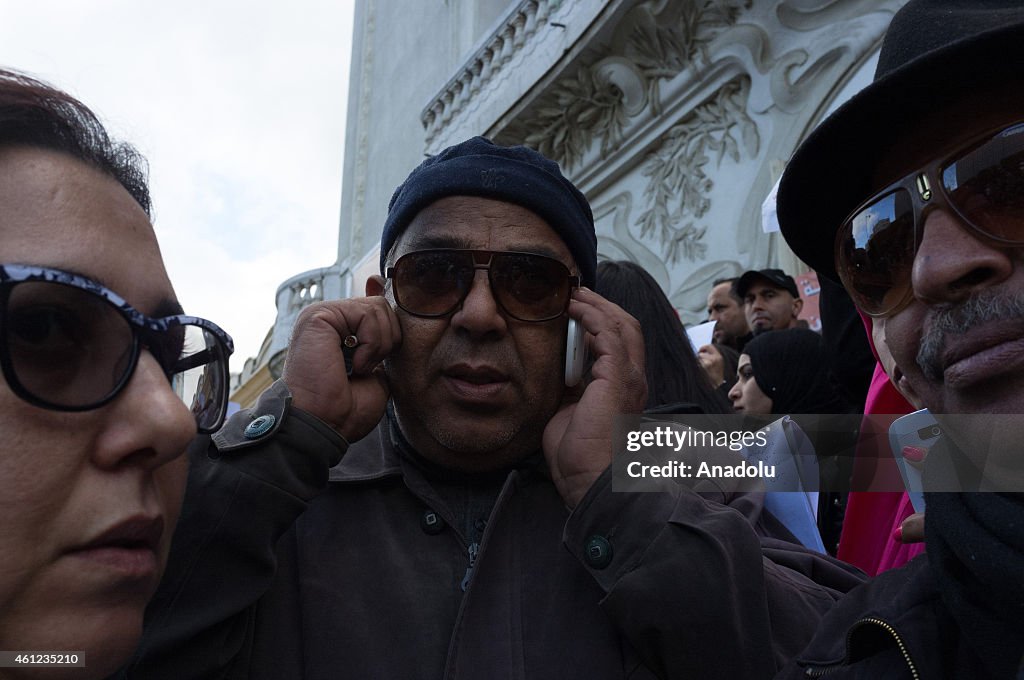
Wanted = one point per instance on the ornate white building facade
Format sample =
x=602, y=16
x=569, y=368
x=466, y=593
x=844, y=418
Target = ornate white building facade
x=675, y=118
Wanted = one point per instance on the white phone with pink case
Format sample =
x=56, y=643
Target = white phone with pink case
x=919, y=429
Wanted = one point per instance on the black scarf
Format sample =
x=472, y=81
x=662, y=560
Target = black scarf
x=976, y=549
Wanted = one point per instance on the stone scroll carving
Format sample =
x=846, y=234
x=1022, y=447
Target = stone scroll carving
x=654, y=42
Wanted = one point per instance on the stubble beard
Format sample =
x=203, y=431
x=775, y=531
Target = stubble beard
x=509, y=439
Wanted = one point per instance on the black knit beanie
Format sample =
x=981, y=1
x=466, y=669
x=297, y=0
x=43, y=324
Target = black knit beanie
x=790, y=368
x=515, y=174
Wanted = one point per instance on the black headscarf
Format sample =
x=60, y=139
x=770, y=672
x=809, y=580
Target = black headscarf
x=791, y=369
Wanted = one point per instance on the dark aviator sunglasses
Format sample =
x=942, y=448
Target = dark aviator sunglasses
x=526, y=286
x=982, y=184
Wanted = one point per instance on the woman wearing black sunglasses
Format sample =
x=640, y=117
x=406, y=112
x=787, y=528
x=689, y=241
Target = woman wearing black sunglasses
x=101, y=391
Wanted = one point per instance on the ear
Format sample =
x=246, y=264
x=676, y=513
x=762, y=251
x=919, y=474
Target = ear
x=798, y=304
x=375, y=286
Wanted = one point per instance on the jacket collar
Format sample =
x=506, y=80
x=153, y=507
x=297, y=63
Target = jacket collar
x=372, y=457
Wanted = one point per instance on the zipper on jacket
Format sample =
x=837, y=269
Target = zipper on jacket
x=895, y=636
x=818, y=671
x=474, y=549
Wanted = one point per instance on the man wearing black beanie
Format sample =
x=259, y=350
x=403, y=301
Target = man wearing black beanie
x=468, y=527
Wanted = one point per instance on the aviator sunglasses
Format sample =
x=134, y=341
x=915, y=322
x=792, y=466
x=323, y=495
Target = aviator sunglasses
x=526, y=286
x=68, y=343
x=982, y=184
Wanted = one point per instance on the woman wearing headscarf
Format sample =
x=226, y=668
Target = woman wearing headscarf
x=789, y=369
x=785, y=373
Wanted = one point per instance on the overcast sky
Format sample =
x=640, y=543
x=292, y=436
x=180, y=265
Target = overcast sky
x=239, y=108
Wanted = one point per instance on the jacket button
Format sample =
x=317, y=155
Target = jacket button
x=598, y=552
x=431, y=522
x=259, y=427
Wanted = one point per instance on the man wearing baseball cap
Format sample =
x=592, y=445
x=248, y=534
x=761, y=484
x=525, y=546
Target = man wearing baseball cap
x=770, y=300
x=912, y=195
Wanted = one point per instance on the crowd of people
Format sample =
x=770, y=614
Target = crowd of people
x=426, y=493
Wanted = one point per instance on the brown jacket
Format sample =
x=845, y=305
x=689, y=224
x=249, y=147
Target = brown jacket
x=272, y=576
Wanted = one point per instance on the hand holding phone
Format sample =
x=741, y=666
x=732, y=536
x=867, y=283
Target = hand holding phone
x=577, y=440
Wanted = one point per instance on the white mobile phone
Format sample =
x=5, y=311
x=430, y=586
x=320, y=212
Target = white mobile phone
x=918, y=429
x=575, y=353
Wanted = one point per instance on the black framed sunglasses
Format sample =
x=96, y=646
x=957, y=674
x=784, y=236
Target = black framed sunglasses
x=68, y=343
x=526, y=286
x=982, y=183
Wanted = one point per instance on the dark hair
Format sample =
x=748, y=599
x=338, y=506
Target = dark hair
x=673, y=374
x=732, y=287
x=35, y=114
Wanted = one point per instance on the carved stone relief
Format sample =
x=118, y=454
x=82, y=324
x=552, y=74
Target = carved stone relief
x=654, y=41
x=678, y=184
x=612, y=220
x=579, y=110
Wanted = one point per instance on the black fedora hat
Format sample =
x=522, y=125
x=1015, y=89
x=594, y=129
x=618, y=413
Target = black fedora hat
x=935, y=52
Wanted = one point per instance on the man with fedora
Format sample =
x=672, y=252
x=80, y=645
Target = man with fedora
x=771, y=301
x=444, y=508
x=912, y=195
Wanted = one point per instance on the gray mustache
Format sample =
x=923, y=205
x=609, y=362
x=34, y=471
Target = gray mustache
x=984, y=307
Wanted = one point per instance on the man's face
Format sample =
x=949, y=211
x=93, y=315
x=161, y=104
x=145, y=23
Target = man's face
x=474, y=390
x=769, y=308
x=88, y=500
x=724, y=309
x=958, y=344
